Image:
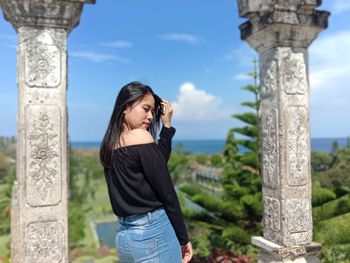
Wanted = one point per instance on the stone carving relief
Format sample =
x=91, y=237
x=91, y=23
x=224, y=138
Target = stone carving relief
x=42, y=65
x=297, y=146
x=269, y=148
x=44, y=241
x=43, y=164
x=268, y=83
x=44, y=36
x=43, y=9
x=272, y=214
x=298, y=215
x=294, y=72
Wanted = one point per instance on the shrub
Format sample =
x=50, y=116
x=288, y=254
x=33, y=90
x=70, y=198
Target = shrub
x=322, y=195
x=331, y=209
x=334, y=231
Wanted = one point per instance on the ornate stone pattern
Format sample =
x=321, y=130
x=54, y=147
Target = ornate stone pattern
x=297, y=146
x=268, y=83
x=43, y=9
x=45, y=36
x=44, y=241
x=43, y=150
x=298, y=215
x=269, y=148
x=44, y=13
x=294, y=72
x=42, y=65
x=272, y=214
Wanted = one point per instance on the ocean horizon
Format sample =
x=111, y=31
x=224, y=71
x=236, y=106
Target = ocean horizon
x=211, y=146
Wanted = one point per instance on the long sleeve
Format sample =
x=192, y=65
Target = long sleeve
x=164, y=142
x=157, y=174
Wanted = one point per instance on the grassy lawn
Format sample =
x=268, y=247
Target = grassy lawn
x=98, y=210
x=4, y=239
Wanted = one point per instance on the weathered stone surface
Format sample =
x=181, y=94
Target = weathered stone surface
x=281, y=31
x=63, y=14
x=43, y=148
x=274, y=253
x=44, y=242
x=248, y=8
x=285, y=146
x=292, y=23
x=39, y=204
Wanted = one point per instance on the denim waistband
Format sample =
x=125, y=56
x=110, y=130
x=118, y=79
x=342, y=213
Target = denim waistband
x=142, y=218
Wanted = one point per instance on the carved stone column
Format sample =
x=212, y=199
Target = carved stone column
x=281, y=31
x=39, y=230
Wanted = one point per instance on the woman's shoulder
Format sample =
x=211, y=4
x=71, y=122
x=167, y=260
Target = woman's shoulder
x=136, y=137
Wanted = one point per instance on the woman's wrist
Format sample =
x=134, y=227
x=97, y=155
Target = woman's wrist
x=167, y=124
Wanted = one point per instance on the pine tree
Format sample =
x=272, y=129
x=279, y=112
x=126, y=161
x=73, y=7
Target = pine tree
x=242, y=182
x=236, y=216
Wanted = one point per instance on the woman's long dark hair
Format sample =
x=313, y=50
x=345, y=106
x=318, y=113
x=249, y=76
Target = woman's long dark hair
x=128, y=95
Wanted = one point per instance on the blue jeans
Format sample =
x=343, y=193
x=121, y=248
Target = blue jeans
x=147, y=238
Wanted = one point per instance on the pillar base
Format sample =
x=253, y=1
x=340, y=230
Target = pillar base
x=273, y=253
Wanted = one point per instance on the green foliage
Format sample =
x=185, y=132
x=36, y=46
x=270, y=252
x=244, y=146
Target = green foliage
x=216, y=160
x=335, y=254
x=331, y=209
x=333, y=231
x=178, y=166
x=201, y=159
x=8, y=146
x=201, y=244
x=321, y=161
x=76, y=226
x=242, y=182
x=337, y=177
x=321, y=195
x=5, y=201
x=83, y=169
x=235, y=235
x=237, y=214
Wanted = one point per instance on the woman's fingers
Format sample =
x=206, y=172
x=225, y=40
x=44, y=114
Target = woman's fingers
x=167, y=113
x=168, y=108
x=186, y=252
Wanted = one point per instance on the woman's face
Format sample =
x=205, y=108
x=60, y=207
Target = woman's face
x=139, y=115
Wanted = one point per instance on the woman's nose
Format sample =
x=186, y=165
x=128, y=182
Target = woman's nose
x=150, y=115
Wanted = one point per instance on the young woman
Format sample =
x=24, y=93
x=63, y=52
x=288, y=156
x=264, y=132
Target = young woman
x=150, y=226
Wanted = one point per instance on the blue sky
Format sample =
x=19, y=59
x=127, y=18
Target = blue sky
x=189, y=52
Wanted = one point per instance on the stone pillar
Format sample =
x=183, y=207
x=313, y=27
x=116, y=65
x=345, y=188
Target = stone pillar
x=39, y=229
x=281, y=32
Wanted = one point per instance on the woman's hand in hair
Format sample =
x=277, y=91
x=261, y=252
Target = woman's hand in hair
x=167, y=113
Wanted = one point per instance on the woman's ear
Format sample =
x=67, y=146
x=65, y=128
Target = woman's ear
x=127, y=108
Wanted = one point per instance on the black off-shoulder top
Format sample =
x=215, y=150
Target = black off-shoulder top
x=139, y=182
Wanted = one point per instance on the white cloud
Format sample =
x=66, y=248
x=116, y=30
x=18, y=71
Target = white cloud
x=330, y=62
x=198, y=105
x=97, y=57
x=330, y=93
x=187, y=38
x=118, y=44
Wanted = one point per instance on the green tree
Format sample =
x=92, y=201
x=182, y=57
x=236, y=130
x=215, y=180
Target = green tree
x=236, y=216
x=81, y=172
x=242, y=182
x=5, y=201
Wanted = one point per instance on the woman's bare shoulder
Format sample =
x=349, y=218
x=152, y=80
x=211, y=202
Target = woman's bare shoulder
x=136, y=136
